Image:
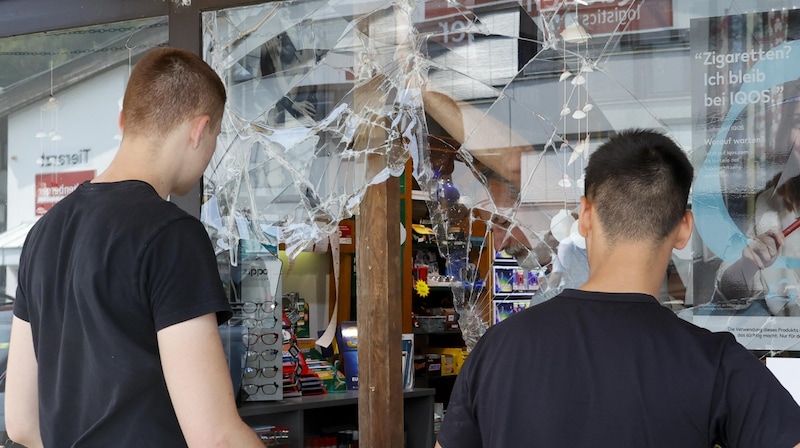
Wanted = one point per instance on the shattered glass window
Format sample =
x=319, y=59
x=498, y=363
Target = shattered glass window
x=498, y=104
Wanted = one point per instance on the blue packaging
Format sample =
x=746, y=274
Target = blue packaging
x=347, y=341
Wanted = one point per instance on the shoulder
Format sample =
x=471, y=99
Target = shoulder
x=177, y=237
x=752, y=403
x=509, y=334
x=713, y=343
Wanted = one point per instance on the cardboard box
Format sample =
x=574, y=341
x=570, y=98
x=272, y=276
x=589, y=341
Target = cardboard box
x=450, y=321
x=457, y=354
x=448, y=364
x=433, y=365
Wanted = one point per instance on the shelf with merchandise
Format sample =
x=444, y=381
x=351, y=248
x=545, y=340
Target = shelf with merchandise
x=309, y=417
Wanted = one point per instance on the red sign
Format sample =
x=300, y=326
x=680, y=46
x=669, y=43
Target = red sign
x=345, y=234
x=53, y=187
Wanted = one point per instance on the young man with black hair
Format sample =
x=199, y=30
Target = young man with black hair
x=605, y=365
x=115, y=339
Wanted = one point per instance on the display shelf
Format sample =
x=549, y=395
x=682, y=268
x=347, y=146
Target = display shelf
x=306, y=415
x=439, y=288
x=468, y=273
x=422, y=331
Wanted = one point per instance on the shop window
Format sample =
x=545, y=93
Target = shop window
x=60, y=96
x=498, y=105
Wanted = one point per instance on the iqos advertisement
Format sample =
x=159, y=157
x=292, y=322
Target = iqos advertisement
x=746, y=196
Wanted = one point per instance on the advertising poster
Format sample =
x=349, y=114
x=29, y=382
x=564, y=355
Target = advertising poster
x=53, y=187
x=746, y=196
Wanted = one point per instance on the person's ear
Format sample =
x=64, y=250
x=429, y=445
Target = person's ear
x=585, y=216
x=684, y=230
x=197, y=127
x=119, y=122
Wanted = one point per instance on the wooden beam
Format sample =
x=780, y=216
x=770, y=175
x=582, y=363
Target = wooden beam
x=378, y=277
x=380, y=396
x=378, y=291
x=405, y=273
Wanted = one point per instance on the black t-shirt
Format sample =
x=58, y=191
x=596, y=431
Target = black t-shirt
x=614, y=370
x=99, y=275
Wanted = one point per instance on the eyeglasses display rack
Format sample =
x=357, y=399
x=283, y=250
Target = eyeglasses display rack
x=255, y=284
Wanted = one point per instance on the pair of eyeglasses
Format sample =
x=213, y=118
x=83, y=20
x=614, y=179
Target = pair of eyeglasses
x=267, y=322
x=266, y=355
x=251, y=339
x=268, y=389
x=252, y=307
x=266, y=372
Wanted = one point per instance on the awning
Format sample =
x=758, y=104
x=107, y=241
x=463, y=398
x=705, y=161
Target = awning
x=11, y=242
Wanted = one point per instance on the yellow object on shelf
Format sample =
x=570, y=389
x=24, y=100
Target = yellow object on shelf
x=422, y=230
x=453, y=356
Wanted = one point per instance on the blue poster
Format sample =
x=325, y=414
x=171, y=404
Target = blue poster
x=746, y=194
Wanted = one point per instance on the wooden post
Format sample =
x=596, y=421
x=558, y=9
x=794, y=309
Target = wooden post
x=380, y=394
x=408, y=256
x=378, y=276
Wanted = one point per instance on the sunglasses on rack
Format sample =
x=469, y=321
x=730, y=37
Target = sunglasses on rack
x=266, y=372
x=251, y=339
x=266, y=355
x=253, y=307
x=267, y=389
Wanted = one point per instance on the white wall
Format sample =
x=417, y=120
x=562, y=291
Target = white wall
x=87, y=118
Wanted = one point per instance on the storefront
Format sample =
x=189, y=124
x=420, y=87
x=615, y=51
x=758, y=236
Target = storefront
x=475, y=117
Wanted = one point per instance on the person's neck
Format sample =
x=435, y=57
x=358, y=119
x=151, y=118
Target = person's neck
x=628, y=267
x=135, y=160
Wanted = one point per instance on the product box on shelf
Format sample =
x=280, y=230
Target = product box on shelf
x=450, y=320
x=448, y=364
x=503, y=309
x=433, y=365
x=419, y=365
x=431, y=324
x=303, y=322
x=408, y=361
x=447, y=353
x=347, y=342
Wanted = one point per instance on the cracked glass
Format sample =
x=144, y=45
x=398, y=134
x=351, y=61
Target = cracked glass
x=489, y=109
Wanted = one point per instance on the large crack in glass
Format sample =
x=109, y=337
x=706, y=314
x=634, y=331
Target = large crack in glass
x=497, y=104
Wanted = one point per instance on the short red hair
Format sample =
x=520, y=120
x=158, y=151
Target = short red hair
x=167, y=87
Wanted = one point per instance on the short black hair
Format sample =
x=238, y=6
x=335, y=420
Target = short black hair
x=639, y=183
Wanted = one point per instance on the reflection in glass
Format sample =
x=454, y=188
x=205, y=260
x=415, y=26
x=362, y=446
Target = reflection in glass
x=495, y=105
x=60, y=98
